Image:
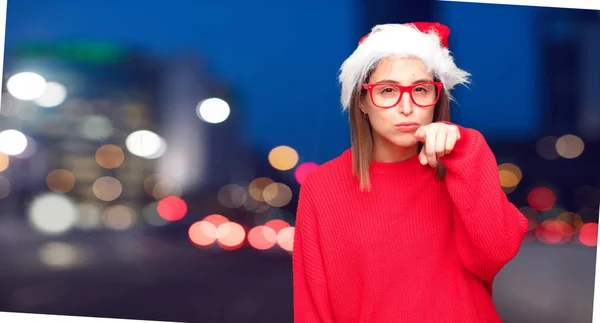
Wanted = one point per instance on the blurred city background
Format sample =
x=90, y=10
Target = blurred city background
x=151, y=153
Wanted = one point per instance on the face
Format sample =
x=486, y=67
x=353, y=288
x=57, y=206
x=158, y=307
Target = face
x=397, y=124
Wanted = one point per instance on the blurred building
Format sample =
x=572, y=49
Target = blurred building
x=96, y=95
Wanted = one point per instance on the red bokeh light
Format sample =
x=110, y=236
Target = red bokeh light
x=303, y=169
x=588, y=234
x=172, y=208
x=554, y=232
x=277, y=225
x=216, y=219
x=262, y=237
x=541, y=198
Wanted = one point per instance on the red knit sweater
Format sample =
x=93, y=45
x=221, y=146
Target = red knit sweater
x=413, y=249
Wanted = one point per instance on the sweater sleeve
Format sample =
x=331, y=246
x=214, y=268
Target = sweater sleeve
x=311, y=297
x=489, y=229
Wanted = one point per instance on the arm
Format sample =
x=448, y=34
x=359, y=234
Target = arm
x=311, y=297
x=489, y=228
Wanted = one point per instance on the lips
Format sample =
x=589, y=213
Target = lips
x=407, y=126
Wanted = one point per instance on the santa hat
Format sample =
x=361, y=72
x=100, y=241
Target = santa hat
x=424, y=40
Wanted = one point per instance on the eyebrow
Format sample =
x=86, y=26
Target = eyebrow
x=396, y=82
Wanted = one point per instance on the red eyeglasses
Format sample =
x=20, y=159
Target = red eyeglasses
x=387, y=95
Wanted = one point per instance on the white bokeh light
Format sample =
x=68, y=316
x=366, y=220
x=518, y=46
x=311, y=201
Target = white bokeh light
x=52, y=213
x=145, y=143
x=213, y=110
x=12, y=142
x=54, y=95
x=26, y=86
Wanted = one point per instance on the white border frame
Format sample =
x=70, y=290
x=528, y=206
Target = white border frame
x=569, y=4
x=6, y=317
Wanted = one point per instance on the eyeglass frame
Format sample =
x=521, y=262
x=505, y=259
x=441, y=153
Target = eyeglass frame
x=409, y=89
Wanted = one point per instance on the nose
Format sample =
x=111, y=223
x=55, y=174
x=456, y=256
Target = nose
x=405, y=105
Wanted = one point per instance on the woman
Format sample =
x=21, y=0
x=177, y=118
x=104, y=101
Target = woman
x=410, y=224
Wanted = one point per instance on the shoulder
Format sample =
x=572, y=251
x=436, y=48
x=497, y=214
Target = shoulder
x=329, y=174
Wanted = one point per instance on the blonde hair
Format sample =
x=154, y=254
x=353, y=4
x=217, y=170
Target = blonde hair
x=362, y=135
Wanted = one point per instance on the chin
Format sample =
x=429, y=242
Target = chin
x=404, y=140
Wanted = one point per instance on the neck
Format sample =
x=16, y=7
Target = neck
x=387, y=152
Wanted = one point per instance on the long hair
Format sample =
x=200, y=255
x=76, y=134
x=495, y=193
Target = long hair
x=362, y=136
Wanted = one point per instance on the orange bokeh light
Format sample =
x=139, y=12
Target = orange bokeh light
x=230, y=235
x=203, y=233
x=285, y=238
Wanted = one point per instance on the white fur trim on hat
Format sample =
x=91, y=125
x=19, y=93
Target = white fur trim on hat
x=396, y=40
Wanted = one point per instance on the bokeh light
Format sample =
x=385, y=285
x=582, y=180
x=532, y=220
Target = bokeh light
x=213, y=110
x=119, y=217
x=107, y=188
x=554, y=232
x=230, y=235
x=572, y=219
x=164, y=188
x=232, y=196
x=216, y=219
x=277, y=225
x=52, y=213
x=4, y=162
x=110, y=156
x=150, y=214
x=588, y=234
x=546, y=148
x=285, y=238
x=54, y=94
x=90, y=216
x=172, y=208
x=304, y=169
x=262, y=237
x=12, y=142
x=202, y=233
x=96, y=127
x=257, y=187
x=510, y=176
x=145, y=144
x=30, y=150
x=277, y=194
x=255, y=206
x=60, y=181
x=283, y=158
x=541, y=198
x=569, y=146
x=59, y=255
x=26, y=86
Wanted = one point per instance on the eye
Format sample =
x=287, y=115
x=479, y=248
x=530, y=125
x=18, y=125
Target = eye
x=387, y=90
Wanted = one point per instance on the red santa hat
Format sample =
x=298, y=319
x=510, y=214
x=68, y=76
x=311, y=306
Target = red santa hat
x=424, y=40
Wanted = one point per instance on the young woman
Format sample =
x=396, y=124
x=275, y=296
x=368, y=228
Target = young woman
x=410, y=224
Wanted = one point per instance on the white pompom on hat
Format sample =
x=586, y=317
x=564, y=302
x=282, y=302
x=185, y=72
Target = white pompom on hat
x=427, y=41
